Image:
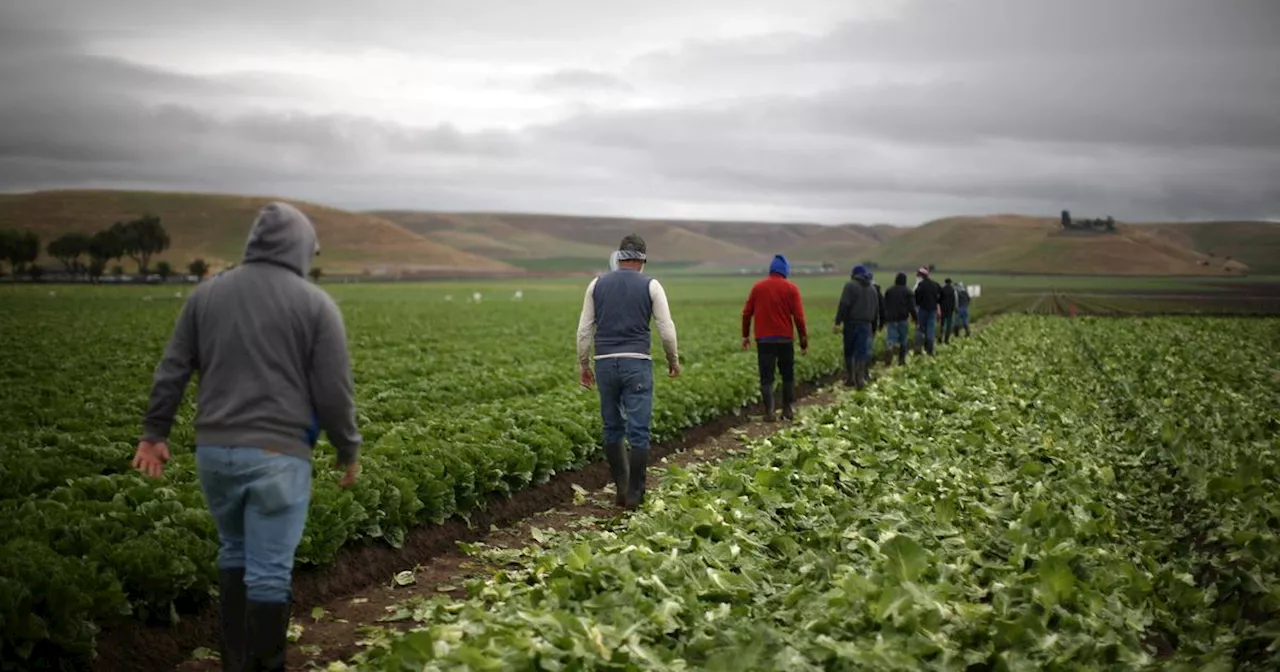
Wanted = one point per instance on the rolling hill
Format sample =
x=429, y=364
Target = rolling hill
x=1018, y=244
x=523, y=238
x=214, y=227
x=1256, y=244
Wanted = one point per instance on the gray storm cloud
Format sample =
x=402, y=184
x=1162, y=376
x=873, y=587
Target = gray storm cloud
x=1143, y=109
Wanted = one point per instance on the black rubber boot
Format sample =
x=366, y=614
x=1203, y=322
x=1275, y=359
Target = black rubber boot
x=848, y=373
x=788, y=398
x=766, y=391
x=966, y=331
x=616, y=454
x=268, y=636
x=928, y=347
x=639, y=466
x=859, y=375
x=902, y=355
x=234, y=620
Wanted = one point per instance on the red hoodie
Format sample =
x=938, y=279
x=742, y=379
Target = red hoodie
x=775, y=303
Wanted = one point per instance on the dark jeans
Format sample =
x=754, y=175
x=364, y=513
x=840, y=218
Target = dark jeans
x=259, y=502
x=626, y=399
x=780, y=355
x=857, y=341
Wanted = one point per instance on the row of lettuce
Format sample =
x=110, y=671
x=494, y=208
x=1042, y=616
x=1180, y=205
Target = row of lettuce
x=89, y=541
x=1058, y=494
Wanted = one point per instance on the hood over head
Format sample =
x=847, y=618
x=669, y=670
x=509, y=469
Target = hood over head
x=900, y=279
x=283, y=236
x=859, y=271
x=780, y=265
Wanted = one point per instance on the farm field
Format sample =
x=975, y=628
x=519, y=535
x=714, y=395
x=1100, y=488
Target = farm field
x=1081, y=494
x=460, y=403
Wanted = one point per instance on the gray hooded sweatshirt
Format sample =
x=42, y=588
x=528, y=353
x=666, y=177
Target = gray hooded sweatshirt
x=270, y=347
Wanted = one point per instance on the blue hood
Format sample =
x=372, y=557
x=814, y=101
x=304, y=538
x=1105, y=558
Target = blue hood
x=780, y=266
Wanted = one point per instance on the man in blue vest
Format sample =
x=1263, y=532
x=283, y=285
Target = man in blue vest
x=616, y=313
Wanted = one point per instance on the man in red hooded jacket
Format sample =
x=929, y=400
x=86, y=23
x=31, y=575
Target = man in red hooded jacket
x=775, y=305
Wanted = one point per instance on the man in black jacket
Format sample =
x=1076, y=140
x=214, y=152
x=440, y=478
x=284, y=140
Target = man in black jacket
x=948, y=310
x=858, y=311
x=928, y=296
x=878, y=324
x=899, y=309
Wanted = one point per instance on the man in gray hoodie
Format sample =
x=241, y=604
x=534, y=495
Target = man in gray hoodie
x=271, y=351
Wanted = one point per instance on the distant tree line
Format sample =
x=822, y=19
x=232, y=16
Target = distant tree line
x=1068, y=224
x=87, y=255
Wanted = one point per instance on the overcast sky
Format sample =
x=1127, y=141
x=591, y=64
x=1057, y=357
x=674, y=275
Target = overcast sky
x=798, y=110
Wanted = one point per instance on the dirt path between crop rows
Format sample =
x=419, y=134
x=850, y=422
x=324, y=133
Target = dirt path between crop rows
x=335, y=634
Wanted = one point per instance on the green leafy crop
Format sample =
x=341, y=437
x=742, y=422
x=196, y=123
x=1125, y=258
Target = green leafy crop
x=1055, y=494
x=459, y=402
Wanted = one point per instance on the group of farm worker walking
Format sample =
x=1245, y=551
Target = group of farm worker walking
x=864, y=310
x=271, y=352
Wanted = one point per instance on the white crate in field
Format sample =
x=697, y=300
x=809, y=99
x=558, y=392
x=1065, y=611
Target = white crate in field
x=975, y=291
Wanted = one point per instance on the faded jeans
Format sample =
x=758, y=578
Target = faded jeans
x=259, y=500
x=626, y=399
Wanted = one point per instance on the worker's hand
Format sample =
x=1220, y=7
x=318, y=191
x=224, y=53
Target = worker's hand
x=586, y=378
x=804, y=349
x=673, y=369
x=150, y=457
x=746, y=344
x=835, y=328
x=349, y=474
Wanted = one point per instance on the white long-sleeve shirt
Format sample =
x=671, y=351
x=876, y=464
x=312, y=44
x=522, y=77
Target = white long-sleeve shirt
x=661, y=315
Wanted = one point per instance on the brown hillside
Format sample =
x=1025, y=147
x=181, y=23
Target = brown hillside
x=491, y=236
x=1255, y=244
x=215, y=227
x=521, y=237
x=1019, y=244
x=666, y=242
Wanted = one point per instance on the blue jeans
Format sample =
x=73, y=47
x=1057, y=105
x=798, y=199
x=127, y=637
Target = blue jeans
x=626, y=400
x=857, y=341
x=898, y=334
x=925, y=326
x=964, y=317
x=259, y=501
